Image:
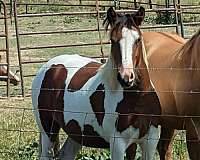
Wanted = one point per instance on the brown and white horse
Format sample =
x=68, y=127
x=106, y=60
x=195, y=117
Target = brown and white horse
x=96, y=105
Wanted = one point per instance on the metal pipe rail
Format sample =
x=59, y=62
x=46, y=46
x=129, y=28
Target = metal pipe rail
x=177, y=9
x=6, y=50
x=100, y=43
x=89, y=12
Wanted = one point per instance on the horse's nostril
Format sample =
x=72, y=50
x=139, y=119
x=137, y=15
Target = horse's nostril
x=131, y=77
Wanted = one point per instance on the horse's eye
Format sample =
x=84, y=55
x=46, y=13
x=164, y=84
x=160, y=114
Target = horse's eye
x=138, y=40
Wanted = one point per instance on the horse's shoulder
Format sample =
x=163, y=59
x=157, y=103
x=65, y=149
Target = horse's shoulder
x=82, y=75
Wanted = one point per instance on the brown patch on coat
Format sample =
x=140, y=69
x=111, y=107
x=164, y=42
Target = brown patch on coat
x=97, y=103
x=116, y=54
x=135, y=103
x=89, y=137
x=115, y=36
x=82, y=76
x=50, y=100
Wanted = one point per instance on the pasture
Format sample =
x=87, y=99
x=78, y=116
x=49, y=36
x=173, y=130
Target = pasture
x=19, y=135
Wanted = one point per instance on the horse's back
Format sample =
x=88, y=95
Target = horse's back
x=167, y=44
x=48, y=86
x=71, y=64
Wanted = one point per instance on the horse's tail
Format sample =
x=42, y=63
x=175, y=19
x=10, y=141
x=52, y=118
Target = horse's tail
x=35, y=91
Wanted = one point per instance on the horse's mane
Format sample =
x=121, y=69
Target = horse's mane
x=122, y=20
x=188, y=50
x=106, y=23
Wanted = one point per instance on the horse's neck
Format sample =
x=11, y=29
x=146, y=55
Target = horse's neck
x=109, y=75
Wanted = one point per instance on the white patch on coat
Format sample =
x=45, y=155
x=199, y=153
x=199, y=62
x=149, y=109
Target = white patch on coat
x=127, y=41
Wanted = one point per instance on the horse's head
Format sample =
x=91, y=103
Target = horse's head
x=125, y=35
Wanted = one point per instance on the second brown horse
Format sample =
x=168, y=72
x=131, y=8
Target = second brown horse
x=175, y=73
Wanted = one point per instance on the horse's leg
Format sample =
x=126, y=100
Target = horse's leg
x=50, y=143
x=117, y=148
x=46, y=149
x=40, y=145
x=69, y=150
x=131, y=151
x=165, y=143
x=193, y=138
x=56, y=144
x=149, y=144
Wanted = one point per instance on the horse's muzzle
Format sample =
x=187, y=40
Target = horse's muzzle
x=123, y=83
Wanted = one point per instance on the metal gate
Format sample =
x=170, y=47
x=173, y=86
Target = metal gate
x=4, y=35
x=174, y=8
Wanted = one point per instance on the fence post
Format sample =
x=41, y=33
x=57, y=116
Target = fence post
x=98, y=28
x=180, y=18
x=150, y=4
x=176, y=17
x=135, y=4
x=18, y=48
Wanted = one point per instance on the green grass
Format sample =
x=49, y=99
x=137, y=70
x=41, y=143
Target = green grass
x=18, y=136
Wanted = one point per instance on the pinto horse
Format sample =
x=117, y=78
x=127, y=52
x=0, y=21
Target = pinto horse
x=98, y=105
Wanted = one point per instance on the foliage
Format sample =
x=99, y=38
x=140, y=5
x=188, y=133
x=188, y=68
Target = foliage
x=29, y=151
x=165, y=18
x=97, y=154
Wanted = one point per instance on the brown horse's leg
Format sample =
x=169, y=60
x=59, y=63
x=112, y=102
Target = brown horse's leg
x=55, y=137
x=193, y=139
x=164, y=144
x=56, y=145
x=40, y=145
x=131, y=151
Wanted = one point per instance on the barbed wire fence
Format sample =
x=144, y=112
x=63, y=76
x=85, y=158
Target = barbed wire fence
x=29, y=61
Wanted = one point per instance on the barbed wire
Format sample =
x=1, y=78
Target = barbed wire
x=106, y=113
x=115, y=68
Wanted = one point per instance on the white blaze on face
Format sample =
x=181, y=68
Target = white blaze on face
x=129, y=38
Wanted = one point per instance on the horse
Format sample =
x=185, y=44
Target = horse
x=178, y=90
x=176, y=82
x=14, y=79
x=99, y=105
x=160, y=57
x=160, y=48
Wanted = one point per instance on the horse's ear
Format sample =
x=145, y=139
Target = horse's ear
x=111, y=16
x=139, y=16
